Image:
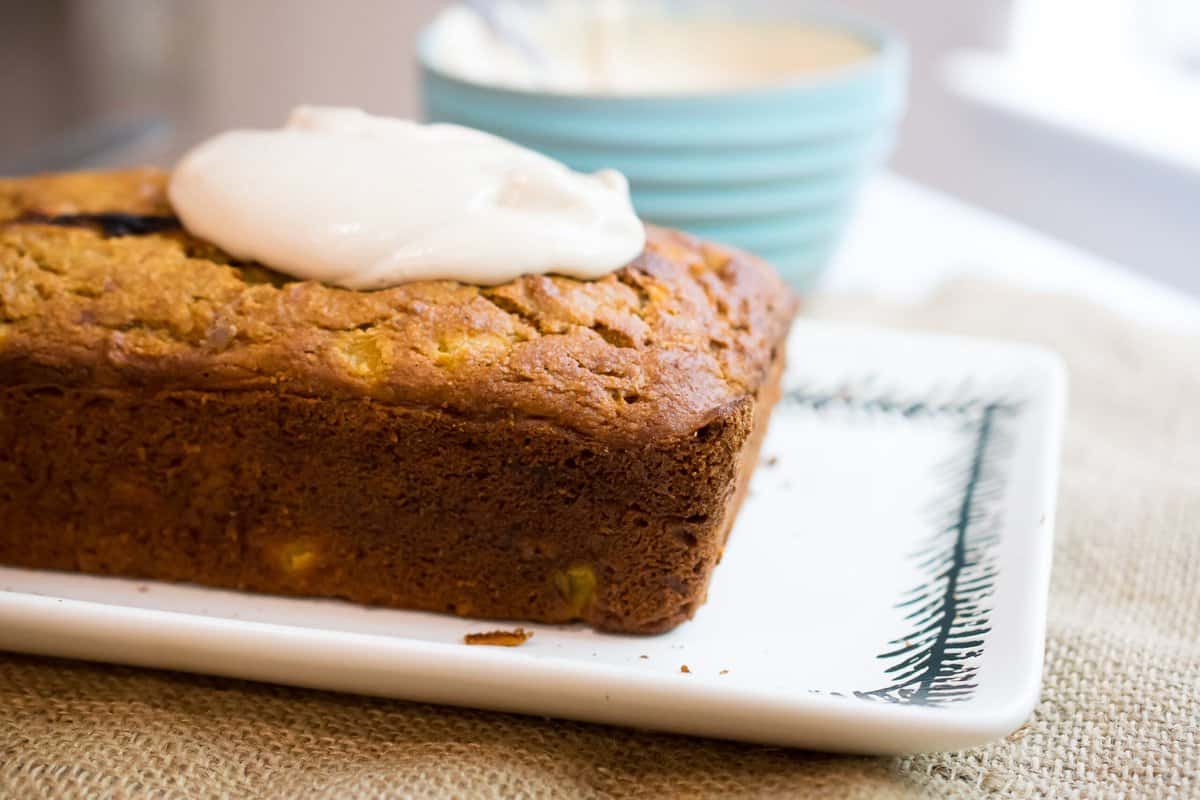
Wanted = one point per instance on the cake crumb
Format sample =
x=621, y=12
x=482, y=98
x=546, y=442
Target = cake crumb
x=514, y=638
x=1019, y=734
x=143, y=588
x=685, y=669
x=772, y=461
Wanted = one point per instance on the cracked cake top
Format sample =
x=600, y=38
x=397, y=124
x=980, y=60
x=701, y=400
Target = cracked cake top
x=101, y=288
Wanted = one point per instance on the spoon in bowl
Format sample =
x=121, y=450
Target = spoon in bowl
x=489, y=12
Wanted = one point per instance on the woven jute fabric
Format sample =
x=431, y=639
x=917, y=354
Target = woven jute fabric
x=1120, y=708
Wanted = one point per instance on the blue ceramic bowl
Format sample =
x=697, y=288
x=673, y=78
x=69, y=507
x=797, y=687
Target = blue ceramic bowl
x=773, y=169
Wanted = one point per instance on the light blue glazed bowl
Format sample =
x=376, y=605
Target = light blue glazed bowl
x=774, y=170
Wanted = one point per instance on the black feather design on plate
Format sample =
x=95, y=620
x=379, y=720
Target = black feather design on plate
x=936, y=660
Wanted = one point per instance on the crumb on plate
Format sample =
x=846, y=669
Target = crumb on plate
x=513, y=638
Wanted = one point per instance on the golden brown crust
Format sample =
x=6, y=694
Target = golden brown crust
x=651, y=351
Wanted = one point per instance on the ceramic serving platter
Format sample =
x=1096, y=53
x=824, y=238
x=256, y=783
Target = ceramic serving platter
x=883, y=591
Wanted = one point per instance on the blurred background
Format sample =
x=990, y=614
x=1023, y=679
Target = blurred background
x=1080, y=118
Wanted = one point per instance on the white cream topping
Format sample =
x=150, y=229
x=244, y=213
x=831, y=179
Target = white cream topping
x=634, y=48
x=366, y=202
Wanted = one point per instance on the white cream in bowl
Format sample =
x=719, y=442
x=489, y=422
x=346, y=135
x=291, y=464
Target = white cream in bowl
x=625, y=47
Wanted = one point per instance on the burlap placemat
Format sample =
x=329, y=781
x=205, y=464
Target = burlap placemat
x=1119, y=716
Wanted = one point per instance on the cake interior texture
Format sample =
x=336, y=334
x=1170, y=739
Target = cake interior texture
x=548, y=449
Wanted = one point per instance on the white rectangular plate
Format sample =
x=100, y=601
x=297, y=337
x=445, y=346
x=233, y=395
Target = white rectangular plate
x=884, y=589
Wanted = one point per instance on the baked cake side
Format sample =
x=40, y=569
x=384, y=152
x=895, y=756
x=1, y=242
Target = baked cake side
x=547, y=449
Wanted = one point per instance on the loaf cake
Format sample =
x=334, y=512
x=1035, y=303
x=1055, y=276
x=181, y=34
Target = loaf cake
x=548, y=449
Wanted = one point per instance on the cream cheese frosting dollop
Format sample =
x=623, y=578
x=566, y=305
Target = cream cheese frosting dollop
x=366, y=202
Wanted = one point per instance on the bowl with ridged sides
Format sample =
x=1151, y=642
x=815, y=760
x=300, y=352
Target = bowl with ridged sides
x=772, y=169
